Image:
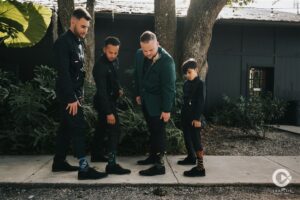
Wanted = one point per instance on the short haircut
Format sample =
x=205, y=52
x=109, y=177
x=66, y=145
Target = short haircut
x=147, y=36
x=190, y=63
x=81, y=13
x=112, y=40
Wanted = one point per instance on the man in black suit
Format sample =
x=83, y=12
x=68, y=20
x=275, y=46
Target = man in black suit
x=105, y=99
x=155, y=91
x=69, y=57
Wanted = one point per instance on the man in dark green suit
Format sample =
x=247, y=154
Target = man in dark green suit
x=155, y=91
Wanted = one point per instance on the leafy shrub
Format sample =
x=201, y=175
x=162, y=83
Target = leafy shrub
x=175, y=142
x=7, y=83
x=135, y=134
x=28, y=122
x=176, y=115
x=90, y=113
x=250, y=114
x=29, y=117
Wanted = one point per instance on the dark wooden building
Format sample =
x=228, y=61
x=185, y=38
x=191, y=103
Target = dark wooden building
x=252, y=50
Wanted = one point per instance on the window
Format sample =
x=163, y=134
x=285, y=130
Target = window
x=261, y=80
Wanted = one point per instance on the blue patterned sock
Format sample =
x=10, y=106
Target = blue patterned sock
x=83, y=164
x=112, y=158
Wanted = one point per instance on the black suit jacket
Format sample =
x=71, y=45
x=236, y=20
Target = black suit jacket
x=69, y=58
x=193, y=99
x=107, y=84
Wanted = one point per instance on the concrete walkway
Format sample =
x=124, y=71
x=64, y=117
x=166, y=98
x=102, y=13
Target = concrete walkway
x=288, y=128
x=220, y=170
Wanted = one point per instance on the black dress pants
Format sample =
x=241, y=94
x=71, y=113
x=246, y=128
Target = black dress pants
x=157, y=129
x=103, y=130
x=192, y=137
x=72, y=128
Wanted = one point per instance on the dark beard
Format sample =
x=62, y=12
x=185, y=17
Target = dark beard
x=76, y=33
x=152, y=57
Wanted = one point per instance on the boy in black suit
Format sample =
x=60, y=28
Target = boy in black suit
x=192, y=108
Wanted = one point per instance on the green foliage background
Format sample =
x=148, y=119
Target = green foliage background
x=29, y=117
x=250, y=114
x=23, y=24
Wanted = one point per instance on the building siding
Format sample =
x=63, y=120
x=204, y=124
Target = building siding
x=234, y=48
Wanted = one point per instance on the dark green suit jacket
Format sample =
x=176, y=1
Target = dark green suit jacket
x=157, y=86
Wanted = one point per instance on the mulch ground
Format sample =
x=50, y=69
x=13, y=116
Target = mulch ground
x=219, y=140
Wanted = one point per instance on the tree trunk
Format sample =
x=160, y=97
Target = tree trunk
x=90, y=42
x=165, y=24
x=65, y=10
x=200, y=20
x=54, y=26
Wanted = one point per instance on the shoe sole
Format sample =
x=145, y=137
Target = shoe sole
x=145, y=163
x=200, y=175
x=58, y=170
x=118, y=173
x=152, y=174
x=83, y=178
x=194, y=176
x=186, y=164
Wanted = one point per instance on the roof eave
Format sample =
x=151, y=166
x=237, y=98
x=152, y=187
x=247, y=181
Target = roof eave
x=257, y=22
x=141, y=16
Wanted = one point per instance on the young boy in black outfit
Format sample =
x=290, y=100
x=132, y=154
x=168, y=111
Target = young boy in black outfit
x=108, y=91
x=192, y=108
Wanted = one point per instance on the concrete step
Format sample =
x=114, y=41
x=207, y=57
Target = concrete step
x=220, y=170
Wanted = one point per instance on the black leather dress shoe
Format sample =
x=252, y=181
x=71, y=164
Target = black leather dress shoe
x=187, y=161
x=63, y=166
x=116, y=169
x=154, y=170
x=151, y=159
x=90, y=174
x=194, y=172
